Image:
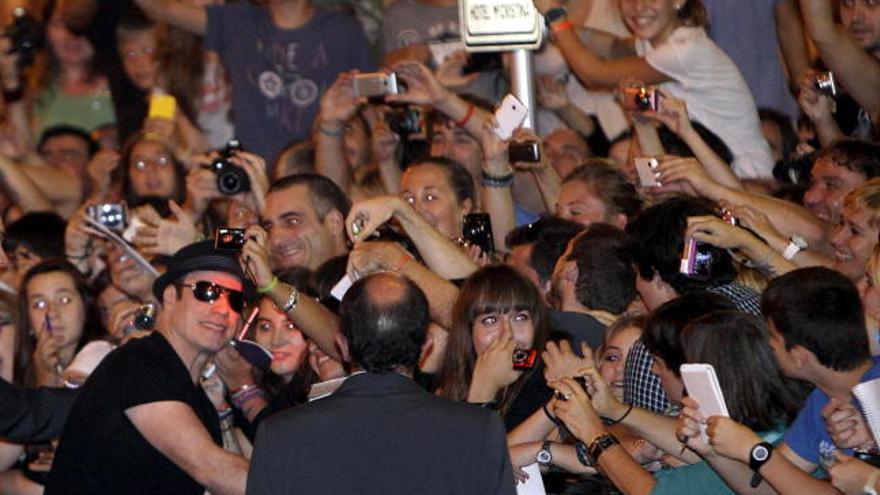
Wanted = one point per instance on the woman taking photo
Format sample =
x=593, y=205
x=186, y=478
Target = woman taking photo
x=670, y=49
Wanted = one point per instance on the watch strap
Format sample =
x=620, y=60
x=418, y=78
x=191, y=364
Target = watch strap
x=599, y=445
x=545, y=456
x=555, y=14
x=791, y=250
x=583, y=456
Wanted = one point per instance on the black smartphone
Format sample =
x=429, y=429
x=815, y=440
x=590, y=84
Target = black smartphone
x=527, y=151
x=477, y=230
x=482, y=62
x=227, y=239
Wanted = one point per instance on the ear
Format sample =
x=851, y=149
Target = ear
x=342, y=347
x=335, y=222
x=169, y=296
x=427, y=348
x=467, y=206
x=802, y=356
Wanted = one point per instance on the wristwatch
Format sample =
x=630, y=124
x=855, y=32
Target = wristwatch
x=554, y=14
x=599, y=446
x=758, y=456
x=796, y=244
x=544, y=456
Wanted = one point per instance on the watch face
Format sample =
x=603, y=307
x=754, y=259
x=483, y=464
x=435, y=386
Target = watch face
x=760, y=453
x=543, y=457
x=799, y=241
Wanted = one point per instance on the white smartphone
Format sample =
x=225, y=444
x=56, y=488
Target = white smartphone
x=509, y=116
x=645, y=166
x=702, y=385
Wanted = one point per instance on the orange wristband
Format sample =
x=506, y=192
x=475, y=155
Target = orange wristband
x=467, y=116
x=561, y=26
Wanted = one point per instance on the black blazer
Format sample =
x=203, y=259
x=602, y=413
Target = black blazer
x=33, y=415
x=381, y=434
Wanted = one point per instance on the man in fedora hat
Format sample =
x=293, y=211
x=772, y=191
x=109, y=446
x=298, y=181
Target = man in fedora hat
x=142, y=424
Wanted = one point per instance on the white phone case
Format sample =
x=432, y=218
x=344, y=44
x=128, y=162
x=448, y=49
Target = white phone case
x=702, y=386
x=509, y=116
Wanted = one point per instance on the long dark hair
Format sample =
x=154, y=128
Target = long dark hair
x=493, y=288
x=25, y=340
x=737, y=345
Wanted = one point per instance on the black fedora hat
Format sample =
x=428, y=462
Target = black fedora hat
x=201, y=256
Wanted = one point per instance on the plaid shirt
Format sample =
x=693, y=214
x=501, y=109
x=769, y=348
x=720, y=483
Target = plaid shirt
x=641, y=387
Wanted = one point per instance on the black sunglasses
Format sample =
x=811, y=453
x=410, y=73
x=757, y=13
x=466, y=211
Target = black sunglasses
x=209, y=292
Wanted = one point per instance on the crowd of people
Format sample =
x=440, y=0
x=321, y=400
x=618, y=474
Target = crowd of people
x=283, y=246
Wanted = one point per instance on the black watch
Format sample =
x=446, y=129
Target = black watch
x=580, y=449
x=758, y=456
x=600, y=445
x=555, y=14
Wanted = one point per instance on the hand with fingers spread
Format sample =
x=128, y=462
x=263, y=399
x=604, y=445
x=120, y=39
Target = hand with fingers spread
x=339, y=102
x=576, y=410
x=368, y=215
x=551, y=93
x=731, y=439
x=846, y=425
x=689, y=426
x=560, y=361
x=451, y=74
x=850, y=475
x=493, y=370
x=422, y=86
x=757, y=221
x=600, y=392
x=165, y=236
x=255, y=256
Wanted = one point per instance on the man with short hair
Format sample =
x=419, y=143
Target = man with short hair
x=142, y=424
x=535, y=248
x=592, y=284
x=67, y=148
x=304, y=217
x=380, y=432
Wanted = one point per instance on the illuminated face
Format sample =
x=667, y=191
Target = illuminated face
x=427, y=190
x=829, y=184
x=151, y=170
x=613, y=359
x=297, y=237
x=53, y=296
x=277, y=333
x=862, y=19
x=566, y=150
x=578, y=202
x=852, y=243
x=652, y=20
x=200, y=326
x=323, y=365
x=488, y=327
x=455, y=143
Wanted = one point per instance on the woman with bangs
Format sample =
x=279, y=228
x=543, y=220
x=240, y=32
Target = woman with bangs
x=498, y=312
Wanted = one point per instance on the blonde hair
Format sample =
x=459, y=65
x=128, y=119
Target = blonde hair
x=866, y=198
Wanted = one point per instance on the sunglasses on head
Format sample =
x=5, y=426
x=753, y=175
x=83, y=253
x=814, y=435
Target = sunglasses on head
x=209, y=292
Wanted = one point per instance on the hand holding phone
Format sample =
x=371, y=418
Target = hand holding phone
x=509, y=115
x=162, y=106
x=646, y=167
x=702, y=385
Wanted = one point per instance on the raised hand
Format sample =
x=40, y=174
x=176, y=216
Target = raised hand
x=255, y=256
x=422, y=86
x=165, y=236
x=846, y=425
x=551, y=93
x=339, y=102
x=493, y=370
x=366, y=216
x=560, y=361
x=576, y=410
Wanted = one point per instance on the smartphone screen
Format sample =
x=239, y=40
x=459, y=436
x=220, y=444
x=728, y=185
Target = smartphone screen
x=477, y=229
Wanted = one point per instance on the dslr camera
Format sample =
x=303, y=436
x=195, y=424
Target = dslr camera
x=26, y=35
x=231, y=179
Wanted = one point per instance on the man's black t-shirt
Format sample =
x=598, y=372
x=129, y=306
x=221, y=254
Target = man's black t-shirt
x=101, y=451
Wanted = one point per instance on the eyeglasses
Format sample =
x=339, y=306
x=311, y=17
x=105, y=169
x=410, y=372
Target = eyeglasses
x=209, y=292
x=160, y=163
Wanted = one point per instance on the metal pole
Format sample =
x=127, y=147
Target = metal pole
x=522, y=83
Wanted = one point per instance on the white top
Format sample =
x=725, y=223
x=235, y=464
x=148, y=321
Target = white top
x=717, y=96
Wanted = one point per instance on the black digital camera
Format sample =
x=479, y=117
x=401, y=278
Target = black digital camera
x=231, y=179
x=404, y=121
x=26, y=35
